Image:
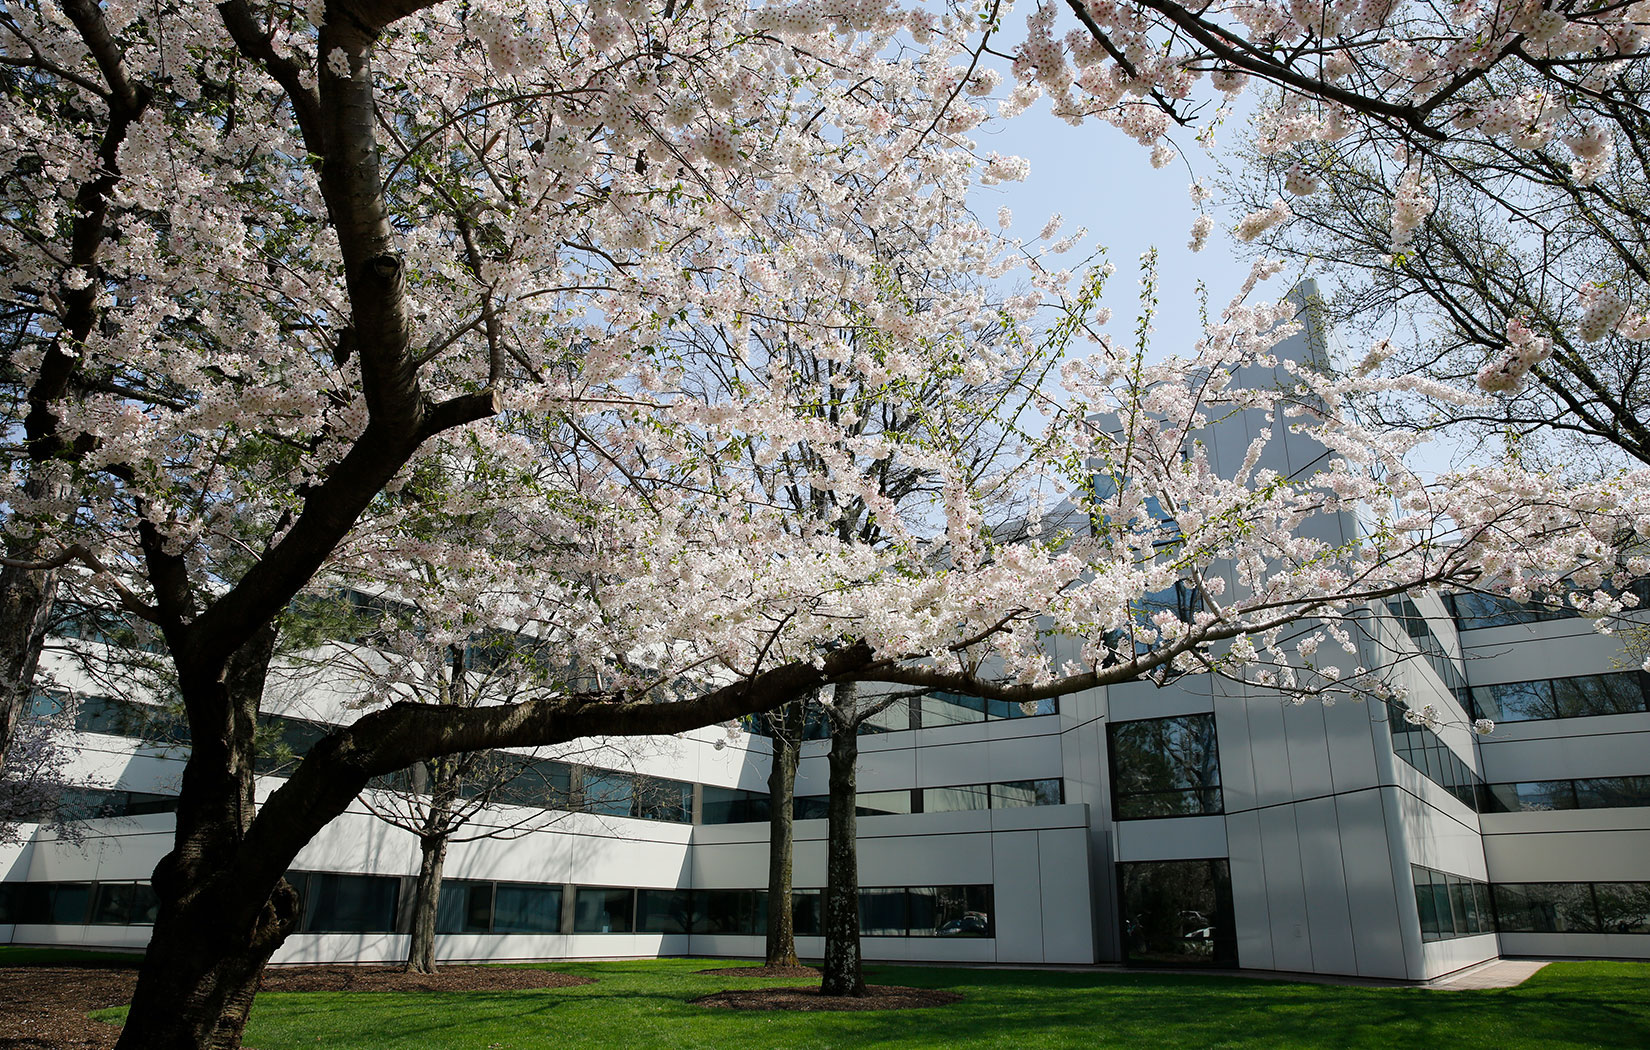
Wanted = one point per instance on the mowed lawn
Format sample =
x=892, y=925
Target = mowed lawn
x=641, y=1005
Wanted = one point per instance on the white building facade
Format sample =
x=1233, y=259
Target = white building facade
x=1199, y=823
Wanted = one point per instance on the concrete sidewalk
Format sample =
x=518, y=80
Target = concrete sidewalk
x=1494, y=973
x=1497, y=973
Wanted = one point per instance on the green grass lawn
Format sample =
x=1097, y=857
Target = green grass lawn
x=640, y=1005
x=23, y=955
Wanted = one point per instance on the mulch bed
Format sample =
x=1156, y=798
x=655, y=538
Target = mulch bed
x=45, y=1007
x=389, y=979
x=762, y=971
x=882, y=997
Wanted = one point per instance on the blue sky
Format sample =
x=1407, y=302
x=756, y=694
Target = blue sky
x=1099, y=178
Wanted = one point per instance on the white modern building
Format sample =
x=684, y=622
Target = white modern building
x=1196, y=823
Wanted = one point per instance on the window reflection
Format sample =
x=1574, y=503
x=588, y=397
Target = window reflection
x=1178, y=913
x=1165, y=767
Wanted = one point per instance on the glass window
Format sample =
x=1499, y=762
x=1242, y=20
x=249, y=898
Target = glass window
x=521, y=781
x=1178, y=913
x=882, y=912
x=720, y=805
x=950, y=799
x=735, y=911
x=607, y=793
x=478, y=908
x=124, y=903
x=1534, y=796
x=602, y=910
x=69, y=903
x=1450, y=905
x=1545, y=907
x=350, y=903
x=1482, y=908
x=1584, y=695
x=811, y=807
x=526, y=908
x=1612, y=792
x=882, y=803
x=950, y=911
x=1165, y=767
x=808, y=912
x=464, y=907
x=1426, y=904
x=1017, y=793
x=1475, y=611
x=893, y=718
x=1513, y=701
x=1623, y=907
x=944, y=709
x=662, y=799
x=665, y=911
x=1461, y=902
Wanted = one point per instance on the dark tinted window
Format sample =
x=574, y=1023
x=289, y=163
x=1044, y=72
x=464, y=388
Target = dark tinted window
x=1178, y=913
x=602, y=910
x=1165, y=767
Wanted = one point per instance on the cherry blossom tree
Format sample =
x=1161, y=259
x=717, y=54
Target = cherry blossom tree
x=1520, y=281
x=277, y=264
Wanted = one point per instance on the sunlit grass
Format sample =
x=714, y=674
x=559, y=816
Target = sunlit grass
x=647, y=1004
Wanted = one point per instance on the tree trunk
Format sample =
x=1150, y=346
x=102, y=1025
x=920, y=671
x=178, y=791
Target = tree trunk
x=427, y=890
x=843, y=972
x=787, y=725
x=214, y=930
x=25, y=611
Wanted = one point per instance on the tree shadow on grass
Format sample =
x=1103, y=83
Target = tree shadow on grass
x=640, y=1005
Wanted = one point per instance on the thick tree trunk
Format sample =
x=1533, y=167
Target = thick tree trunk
x=25, y=610
x=224, y=908
x=432, y=858
x=787, y=725
x=843, y=972
x=214, y=931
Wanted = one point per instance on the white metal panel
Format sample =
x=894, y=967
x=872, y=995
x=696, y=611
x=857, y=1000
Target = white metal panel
x=1596, y=856
x=1268, y=751
x=1351, y=735
x=1068, y=926
x=1285, y=889
x=1444, y=957
x=1334, y=949
x=1618, y=745
x=745, y=865
x=1308, y=747
x=1371, y=896
x=1237, y=771
x=1171, y=838
x=1022, y=757
x=925, y=860
x=1129, y=701
x=1576, y=945
x=1250, y=909
x=1017, y=898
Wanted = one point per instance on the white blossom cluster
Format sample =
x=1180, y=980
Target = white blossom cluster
x=1524, y=351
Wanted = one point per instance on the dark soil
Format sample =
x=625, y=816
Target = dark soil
x=763, y=971
x=882, y=997
x=45, y=1007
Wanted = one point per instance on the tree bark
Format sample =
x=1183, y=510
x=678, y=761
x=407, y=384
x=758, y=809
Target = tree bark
x=786, y=725
x=224, y=905
x=432, y=846
x=214, y=931
x=25, y=610
x=843, y=971
x=426, y=898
